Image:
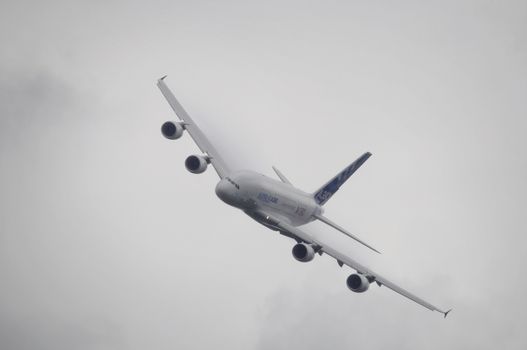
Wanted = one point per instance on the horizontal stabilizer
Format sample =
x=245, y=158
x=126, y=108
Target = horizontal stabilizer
x=332, y=224
x=281, y=176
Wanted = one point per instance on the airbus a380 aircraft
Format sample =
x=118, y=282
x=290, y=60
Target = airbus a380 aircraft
x=278, y=205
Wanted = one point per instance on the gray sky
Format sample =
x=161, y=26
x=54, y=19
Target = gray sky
x=107, y=242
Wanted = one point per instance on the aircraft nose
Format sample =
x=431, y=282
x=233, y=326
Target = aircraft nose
x=227, y=192
x=223, y=190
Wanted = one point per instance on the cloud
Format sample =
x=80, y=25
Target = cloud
x=31, y=100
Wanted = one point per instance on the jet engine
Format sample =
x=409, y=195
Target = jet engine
x=172, y=130
x=303, y=252
x=358, y=283
x=196, y=164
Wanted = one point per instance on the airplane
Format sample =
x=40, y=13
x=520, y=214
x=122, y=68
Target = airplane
x=279, y=205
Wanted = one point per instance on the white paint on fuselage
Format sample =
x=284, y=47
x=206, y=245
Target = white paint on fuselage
x=250, y=192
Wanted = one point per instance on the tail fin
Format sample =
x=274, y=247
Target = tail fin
x=323, y=194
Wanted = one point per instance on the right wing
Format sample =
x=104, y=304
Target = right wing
x=344, y=259
x=197, y=135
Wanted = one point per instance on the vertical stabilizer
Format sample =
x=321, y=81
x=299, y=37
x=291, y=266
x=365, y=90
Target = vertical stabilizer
x=324, y=193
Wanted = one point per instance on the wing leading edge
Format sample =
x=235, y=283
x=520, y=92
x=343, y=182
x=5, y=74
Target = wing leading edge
x=344, y=259
x=197, y=135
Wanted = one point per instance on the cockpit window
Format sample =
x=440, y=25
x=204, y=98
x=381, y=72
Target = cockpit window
x=233, y=183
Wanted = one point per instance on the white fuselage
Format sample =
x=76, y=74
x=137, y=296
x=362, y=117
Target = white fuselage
x=253, y=192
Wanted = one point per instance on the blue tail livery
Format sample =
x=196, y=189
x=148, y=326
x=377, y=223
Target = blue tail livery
x=323, y=194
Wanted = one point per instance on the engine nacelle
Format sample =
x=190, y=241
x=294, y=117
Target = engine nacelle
x=303, y=252
x=358, y=283
x=196, y=164
x=172, y=130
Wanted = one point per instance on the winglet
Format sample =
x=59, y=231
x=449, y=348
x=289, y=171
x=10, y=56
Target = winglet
x=446, y=313
x=162, y=78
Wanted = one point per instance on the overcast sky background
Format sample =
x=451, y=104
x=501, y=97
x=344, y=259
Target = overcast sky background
x=107, y=242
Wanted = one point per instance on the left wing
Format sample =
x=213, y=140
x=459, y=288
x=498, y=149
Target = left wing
x=344, y=259
x=197, y=135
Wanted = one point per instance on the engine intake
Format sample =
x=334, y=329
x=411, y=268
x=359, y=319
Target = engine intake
x=303, y=252
x=196, y=164
x=358, y=283
x=172, y=130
